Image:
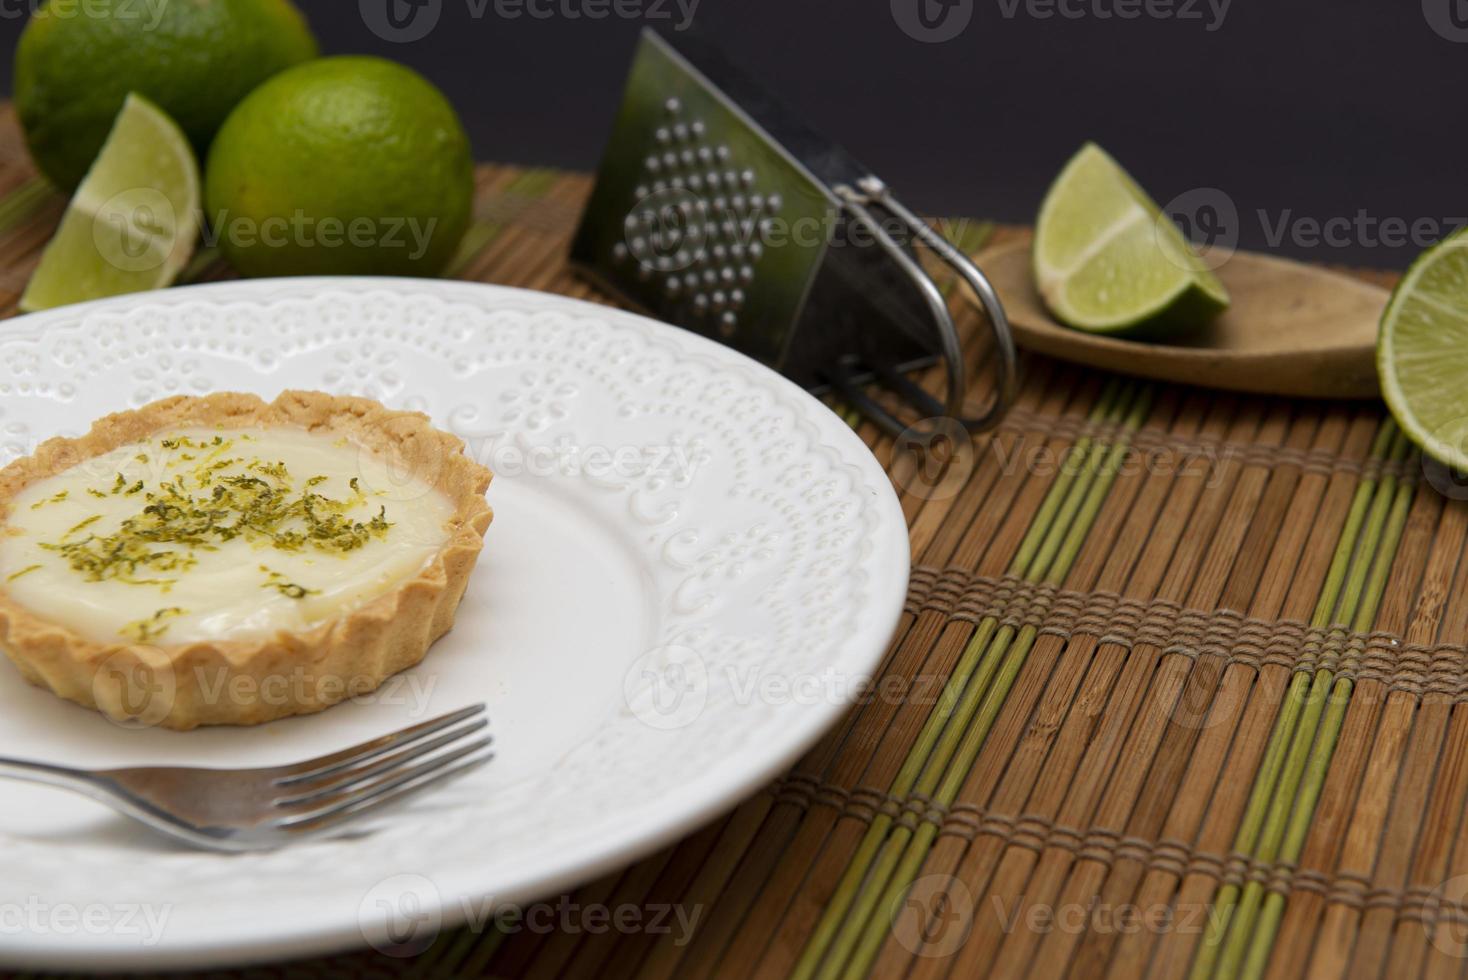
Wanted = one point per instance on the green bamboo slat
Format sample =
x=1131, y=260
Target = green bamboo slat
x=1274, y=755
x=463, y=953
x=1335, y=716
x=24, y=202
x=1056, y=556
x=476, y=239
x=1305, y=732
x=204, y=260
x=448, y=950
x=877, y=858
x=532, y=185
x=966, y=235
x=948, y=702
x=477, y=965
x=1288, y=794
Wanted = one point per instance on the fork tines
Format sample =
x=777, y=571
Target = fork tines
x=329, y=789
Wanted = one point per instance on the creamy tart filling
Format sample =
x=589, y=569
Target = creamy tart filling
x=211, y=533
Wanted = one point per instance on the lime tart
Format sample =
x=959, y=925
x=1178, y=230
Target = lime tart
x=227, y=561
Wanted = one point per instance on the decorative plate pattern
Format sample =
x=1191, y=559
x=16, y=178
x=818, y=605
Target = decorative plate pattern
x=770, y=562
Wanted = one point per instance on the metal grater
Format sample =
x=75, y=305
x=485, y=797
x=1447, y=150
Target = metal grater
x=716, y=210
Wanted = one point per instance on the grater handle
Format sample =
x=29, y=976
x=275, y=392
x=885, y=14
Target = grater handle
x=871, y=191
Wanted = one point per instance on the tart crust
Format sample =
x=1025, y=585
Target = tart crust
x=247, y=682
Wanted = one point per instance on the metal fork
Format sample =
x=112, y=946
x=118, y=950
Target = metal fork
x=262, y=809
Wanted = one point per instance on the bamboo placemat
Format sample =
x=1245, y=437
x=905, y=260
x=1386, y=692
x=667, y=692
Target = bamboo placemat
x=1178, y=692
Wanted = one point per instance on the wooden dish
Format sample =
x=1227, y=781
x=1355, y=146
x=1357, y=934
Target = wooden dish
x=1292, y=329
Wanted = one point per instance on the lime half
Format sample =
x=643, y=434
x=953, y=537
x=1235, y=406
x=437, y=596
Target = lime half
x=1422, y=352
x=132, y=223
x=1107, y=259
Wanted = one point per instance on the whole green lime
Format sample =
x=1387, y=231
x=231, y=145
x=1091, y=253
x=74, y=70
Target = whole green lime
x=195, y=59
x=341, y=166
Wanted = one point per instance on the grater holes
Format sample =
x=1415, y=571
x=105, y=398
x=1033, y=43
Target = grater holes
x=697, y=223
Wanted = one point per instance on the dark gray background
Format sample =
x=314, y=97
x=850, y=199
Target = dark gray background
x=1349, y=111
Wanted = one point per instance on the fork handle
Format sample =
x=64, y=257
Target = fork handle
x=49, y=775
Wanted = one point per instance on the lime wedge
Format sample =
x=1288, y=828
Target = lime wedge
x=132, y=223
x=1422, y=352
x=1107, y=260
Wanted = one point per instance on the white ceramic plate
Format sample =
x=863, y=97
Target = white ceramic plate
x=692, y=567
